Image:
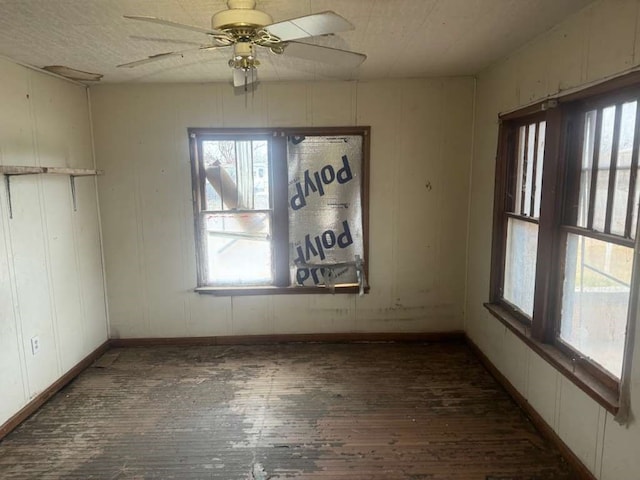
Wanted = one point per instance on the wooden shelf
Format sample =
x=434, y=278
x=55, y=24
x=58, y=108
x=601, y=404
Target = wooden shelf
x=12, y=170
x=74, y=172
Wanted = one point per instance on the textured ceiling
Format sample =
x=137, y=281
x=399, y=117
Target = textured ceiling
x=402, y=38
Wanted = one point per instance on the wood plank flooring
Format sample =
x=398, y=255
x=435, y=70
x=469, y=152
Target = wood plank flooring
x=304, y=411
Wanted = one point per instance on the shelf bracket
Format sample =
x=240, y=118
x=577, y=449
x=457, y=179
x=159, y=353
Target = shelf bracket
x=72, y=181
x=7, y=183
x=10, y=170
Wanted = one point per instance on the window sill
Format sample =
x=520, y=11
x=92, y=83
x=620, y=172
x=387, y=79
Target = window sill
x=269, y=290
x=582, y=379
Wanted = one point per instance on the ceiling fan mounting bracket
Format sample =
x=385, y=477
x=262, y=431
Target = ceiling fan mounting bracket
x=241, y=4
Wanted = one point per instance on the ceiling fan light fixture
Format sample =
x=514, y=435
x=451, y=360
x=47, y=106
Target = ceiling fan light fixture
x=244, y=56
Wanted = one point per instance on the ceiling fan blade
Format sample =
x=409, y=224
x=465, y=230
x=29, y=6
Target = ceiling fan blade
x=161, y=56
x=310, y=26
x=244, y=78
x=163, y=40
x=316, y=53
x=170, y=23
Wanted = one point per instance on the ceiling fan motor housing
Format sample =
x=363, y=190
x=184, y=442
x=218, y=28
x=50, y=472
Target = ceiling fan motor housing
x=240, y=15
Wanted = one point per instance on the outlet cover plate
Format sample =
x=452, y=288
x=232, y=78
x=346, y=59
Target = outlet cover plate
x=35, y=345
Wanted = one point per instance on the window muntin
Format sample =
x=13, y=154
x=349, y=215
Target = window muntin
x=607, y=172
x=244, y=195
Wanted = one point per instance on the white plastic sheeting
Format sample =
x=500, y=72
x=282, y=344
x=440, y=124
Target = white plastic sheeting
x=325, y=210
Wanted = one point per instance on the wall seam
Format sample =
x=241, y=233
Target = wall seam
x=44, y=225
x=185, y=168
x=559, y=405
x=180, y=157
x=393, y=291
x=17, y=319
x=80, y=286
x=99, y=215
x=438, y=178
x=601, y=453
x=635, y=37
x=140, y=244
x=26, y=377
x=558, y=399
x=597, y=457
x=465, y=316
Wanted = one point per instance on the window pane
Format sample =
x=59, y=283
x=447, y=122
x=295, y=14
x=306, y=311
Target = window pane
x=261, y=176
x=588, y=146
x=520, y=175
x=623, y=168
x=237, y=174
x=542, y=128
x=529, y=162
x=595, y=299
x=238, y=248
x=520, y=264
x=636, y=201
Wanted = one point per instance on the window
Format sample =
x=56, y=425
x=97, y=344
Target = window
x=280, y=210
x=521, y=216
x=565, y=220
x=598, y=230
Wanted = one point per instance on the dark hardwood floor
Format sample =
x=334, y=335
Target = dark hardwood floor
x=357, y=411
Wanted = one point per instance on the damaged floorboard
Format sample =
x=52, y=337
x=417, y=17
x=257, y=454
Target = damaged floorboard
x=359, y=411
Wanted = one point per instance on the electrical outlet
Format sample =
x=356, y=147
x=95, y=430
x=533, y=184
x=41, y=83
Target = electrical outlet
x=35, y=345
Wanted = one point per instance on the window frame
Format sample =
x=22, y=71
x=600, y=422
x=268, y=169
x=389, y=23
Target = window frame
x=507, y=172
x=279, y=204
x=563, y=120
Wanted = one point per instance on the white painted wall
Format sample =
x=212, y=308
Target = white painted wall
x=421, y=133
x=600, y=41
x=51, y=278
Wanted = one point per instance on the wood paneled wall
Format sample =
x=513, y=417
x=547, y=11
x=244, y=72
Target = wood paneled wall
x=420, y=156
x=600, y=41
x=51, y=276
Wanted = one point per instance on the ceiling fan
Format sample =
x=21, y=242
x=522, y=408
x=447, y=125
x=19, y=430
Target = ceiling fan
x=245, y=28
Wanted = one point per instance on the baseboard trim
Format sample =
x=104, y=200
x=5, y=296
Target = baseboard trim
x=579, y=468
x=33, y=406
x=350, y=337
